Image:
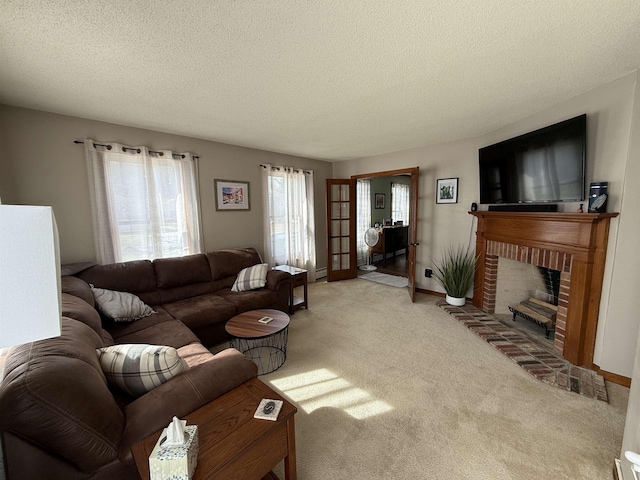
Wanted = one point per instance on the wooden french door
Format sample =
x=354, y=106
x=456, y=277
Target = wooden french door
x=341, y=229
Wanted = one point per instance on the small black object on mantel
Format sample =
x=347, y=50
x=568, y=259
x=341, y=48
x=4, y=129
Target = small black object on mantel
x=474, y=207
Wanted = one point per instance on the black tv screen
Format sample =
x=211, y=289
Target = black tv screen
x=546, y=165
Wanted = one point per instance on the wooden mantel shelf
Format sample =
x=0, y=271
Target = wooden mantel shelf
x=572, y=231
x=580, y=237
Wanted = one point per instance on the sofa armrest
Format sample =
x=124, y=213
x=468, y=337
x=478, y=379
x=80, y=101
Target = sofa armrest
x=183, y=394
x=276, y=278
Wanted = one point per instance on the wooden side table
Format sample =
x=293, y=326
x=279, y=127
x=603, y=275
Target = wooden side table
x=298, y=279
x=234, y=445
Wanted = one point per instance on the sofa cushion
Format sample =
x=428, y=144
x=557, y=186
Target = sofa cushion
x=76, y=308
x=158, y=329
x=55, y=395
x=179, y=271
x=250, y=300
x=120, y=306
x=75, y=268
x=229, y=262
x=201, y=311
x=251, y=278
x=78, y=288
x=135, y=277
x=174, y=294
x=195, y=354
x=139, y=368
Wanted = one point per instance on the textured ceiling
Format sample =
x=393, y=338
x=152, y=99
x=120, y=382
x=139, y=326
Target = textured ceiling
x=326, y=79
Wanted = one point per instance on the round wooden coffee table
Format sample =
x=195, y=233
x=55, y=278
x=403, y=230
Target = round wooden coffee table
x=264, y=343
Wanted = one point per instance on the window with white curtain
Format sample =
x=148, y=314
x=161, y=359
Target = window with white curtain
x=144, y=203
x=400, y=202
x=363, y=202
x=289, y=218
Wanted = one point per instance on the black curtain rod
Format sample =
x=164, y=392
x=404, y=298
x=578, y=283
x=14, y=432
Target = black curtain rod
x=137, y=150
x=275, y=167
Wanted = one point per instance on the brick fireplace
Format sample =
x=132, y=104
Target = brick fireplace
x=574, y=244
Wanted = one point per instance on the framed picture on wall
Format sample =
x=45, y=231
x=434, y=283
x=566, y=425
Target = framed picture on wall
x=231, y=195
x=447, y=190
x=380, y=200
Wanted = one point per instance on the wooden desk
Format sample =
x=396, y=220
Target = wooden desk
x=298, y=279
x=233, y=444
x=391, y=240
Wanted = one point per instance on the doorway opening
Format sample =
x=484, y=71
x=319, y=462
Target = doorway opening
x=347, y=248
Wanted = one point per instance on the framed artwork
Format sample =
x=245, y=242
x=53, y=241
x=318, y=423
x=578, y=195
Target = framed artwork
x=231, y=195
x=447, y=190
x=379, y=200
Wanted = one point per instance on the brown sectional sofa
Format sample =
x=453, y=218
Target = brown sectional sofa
x=59, y=418
x=195, y=289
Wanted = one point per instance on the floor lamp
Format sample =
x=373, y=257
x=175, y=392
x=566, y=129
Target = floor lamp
x=29, y=275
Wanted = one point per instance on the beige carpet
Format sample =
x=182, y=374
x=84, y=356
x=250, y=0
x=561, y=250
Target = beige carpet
x=386, y=389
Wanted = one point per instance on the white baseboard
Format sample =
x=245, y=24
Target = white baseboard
x=321, y=272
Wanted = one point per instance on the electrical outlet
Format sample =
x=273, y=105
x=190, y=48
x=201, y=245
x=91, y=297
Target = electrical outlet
x=428, y=272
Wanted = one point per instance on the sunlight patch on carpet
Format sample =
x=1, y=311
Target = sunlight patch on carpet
x=323, y=388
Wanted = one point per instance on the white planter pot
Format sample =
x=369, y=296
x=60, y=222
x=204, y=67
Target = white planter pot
x=455, y=301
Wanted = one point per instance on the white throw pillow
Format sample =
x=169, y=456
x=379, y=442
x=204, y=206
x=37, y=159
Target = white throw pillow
x=251, y=278
x=139, y=368
x=120, y=306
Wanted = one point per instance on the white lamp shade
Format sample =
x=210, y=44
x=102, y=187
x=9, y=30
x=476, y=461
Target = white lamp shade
x=29, y=275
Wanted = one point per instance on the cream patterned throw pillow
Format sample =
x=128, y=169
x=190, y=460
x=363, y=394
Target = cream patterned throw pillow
x=139, y=368
x=251, y=278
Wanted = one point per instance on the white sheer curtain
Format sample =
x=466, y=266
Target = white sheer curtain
x=363, y=217
x=400, y=202
x=289, y=218
x=144, y=204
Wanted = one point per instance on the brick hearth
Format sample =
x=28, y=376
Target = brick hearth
x=541, y=363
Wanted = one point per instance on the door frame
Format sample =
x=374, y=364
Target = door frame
x=414, y=172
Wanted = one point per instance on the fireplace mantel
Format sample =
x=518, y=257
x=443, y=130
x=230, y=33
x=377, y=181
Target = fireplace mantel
x=573, y=243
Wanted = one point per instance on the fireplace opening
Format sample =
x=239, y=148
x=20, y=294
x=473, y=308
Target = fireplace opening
x=527, y=298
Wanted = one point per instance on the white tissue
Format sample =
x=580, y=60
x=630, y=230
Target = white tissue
x=175, y=432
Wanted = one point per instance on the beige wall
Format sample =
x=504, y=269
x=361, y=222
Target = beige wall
x=624, y=299
x=438, y=225
x=40, y=164
x=609, y=158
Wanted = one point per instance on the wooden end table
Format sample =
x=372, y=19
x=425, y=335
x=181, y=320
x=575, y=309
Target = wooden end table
x=298, y=279
x=264, y=343
x=233, y=444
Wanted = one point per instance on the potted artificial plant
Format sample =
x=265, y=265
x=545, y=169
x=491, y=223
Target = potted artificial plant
x=454, y=271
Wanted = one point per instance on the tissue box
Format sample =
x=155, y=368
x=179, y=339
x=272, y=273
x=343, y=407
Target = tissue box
x=175, y=463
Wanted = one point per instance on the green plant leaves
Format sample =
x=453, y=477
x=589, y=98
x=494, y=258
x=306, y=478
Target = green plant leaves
x=455, y=269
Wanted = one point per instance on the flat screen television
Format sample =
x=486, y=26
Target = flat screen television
x=546, y=165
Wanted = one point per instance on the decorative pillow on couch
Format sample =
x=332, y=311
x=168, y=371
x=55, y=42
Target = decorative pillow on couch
x=251, y=278
x=120, y=306
x=139, y=368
